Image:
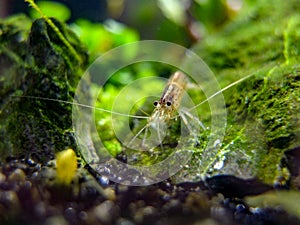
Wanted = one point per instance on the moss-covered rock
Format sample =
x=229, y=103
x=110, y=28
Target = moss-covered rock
x=37, y=63
x=263, y=111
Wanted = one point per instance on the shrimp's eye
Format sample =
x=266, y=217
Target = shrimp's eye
x=169, y=103
x=155, y=103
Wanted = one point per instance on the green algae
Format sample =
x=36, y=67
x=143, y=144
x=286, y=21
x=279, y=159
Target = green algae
x=40, y=66
x=292, y=40
x=263, y=111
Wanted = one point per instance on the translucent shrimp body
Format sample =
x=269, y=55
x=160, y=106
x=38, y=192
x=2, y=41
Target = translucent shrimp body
x=166, y=109
x=170, y=100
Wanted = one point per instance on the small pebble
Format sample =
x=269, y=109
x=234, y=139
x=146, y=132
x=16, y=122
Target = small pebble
x=31, y=162
x=40, y=209
x=17, y=175
x=103, y=180
x=240, y=208
x=110, y=194
x=2, y=177
x=122, y=221
x=104, y=211
x=70, y=213
x=10, y=199
x=83, y=215
x=56, y=220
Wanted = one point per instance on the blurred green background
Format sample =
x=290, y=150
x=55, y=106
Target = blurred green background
x=103, y=25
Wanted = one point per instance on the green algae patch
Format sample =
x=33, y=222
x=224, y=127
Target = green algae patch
x=263, y=111
x=292, y=40
x=268, y=114
x=42, y=67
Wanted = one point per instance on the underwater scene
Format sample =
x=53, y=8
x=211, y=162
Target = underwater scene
x=162, y=112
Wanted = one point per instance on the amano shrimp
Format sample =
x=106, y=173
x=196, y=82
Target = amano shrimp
x=167, y=108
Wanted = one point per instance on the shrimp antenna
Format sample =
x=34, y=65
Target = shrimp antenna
x=82, y=105
x=222, y=90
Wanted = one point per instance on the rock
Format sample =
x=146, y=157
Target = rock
x=43, y=67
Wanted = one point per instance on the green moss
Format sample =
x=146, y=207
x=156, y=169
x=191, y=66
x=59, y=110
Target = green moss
x=292, y=40
x=263, y=111
x=43, y=67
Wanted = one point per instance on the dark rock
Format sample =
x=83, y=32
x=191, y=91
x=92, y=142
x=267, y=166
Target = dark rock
x=293, y=164
x=233, y=187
